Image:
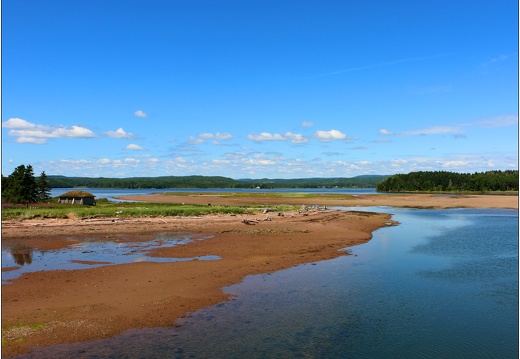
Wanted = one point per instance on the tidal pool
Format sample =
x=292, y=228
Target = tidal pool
x=89, y=253
x=441, y=284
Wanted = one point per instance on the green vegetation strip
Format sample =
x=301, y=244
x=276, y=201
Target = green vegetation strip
x=106, y=209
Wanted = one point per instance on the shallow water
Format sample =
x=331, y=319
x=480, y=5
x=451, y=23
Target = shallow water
x=442, y=284
x=95, y=252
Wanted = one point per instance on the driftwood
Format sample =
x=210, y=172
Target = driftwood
x=249, y=221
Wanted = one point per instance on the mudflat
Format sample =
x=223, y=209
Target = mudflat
x=63, y=306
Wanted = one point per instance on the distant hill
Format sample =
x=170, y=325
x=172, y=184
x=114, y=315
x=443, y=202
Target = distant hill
x=366, y=181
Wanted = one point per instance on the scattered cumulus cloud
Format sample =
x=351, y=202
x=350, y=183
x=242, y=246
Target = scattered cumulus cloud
x=435, y=130
x=217, y=136
x=120, y=133
x=240, y=164
x=266, y=136
x=332, y=135
x=195, y=141
x=294, y=138
x=18, y=123
x=27, y=132
x=134, y=147
x=141, y=114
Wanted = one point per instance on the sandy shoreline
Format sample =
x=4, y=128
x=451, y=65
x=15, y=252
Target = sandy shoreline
x=68, y=306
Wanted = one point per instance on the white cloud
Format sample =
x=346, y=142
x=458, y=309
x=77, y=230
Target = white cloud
x=218, y=136
x=134, y=147
x=120, y=133
x=434, y=130
x=17, y=123
x=294, y=138
x=241, y=164
x=35, y=141
x=141, y=114
x=194, y=141
x=386, y=132
x=307, y=124
x=223, y=136
x=28, y=132
x=266, y=136
x=327, y=136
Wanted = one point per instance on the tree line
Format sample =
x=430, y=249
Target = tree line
x=22, y=186
x=443, y=181
x=212, y=182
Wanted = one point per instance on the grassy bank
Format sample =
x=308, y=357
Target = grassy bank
x=106, y=209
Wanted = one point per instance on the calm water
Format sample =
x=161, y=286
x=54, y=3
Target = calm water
x=442, y=284
x=112, y=193
x=95, y=252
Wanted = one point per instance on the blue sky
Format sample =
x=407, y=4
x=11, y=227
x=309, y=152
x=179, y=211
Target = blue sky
x=253, y=89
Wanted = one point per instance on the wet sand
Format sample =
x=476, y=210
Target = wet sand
x=69, y=306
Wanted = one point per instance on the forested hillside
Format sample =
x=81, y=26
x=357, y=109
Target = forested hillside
x=212, y=182
x=451, y=181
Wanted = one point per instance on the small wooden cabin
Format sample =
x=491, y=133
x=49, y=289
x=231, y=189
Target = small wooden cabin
x=78, y=197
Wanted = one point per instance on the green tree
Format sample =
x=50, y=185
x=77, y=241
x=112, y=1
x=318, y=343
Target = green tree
x=20, y=186
x=44, y=191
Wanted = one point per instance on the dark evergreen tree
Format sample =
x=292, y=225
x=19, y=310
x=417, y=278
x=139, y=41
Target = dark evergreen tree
x=44, y=191
x=20, y=186
x=450, y=181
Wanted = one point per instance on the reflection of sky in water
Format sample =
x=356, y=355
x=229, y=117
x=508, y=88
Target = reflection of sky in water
x=106, y=252
x=441, y=284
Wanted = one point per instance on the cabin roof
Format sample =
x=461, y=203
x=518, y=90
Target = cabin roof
x=77, y=194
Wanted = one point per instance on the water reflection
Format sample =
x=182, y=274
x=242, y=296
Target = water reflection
x=22, y=255
x=20, y=258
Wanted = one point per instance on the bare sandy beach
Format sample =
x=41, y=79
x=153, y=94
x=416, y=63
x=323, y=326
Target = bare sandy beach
x=68, y=306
